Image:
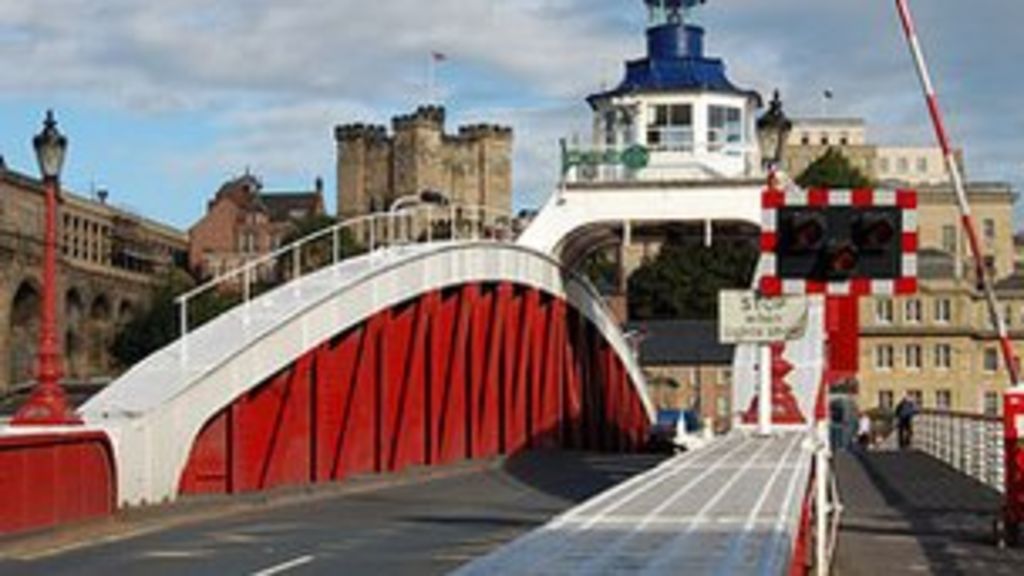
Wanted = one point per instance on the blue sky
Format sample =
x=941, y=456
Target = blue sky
x=165, y=99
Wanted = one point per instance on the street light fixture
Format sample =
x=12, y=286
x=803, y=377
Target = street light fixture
x=48, y=403
x=772, y=132
x=428, y=196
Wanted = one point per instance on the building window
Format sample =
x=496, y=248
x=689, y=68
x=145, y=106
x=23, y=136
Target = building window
x=943, y=356
x=805, y=139
x=917, y=397
x=913, y=357
x=722, y=406
x=725, y=377
x=671, y=127
x=883, y=311
x=844, y=139
x=989, y=226
x=1008, y=315
x=912, y=311
x=902, y=166
x=883, y=165
x=824, y=140
x=992, y=404
x=725, y=127
x=885, y=399
x=943, y=311
x=990, y=362
x=884, y=357
x=943, y=399
x=949, y=238
x=922, y=165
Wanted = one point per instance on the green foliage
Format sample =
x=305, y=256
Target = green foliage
x=833, y=170
x=685, y=278
x=317, y=254
x=158, y=325
x=601, y=269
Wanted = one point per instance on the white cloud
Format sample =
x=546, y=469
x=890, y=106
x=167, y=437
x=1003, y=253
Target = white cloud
x=276, y=75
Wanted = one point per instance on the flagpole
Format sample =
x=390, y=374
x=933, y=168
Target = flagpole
x=431, y=72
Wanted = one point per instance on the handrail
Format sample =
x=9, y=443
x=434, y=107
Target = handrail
x=970, y=443
x=480, y=220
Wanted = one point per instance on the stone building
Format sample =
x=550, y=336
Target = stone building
x=472, y=167
x=687, y=368
x=243, y=222
x=914, y=165
x=108, y=262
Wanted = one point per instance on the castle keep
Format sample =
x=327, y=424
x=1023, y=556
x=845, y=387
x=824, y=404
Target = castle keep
x=472, y=167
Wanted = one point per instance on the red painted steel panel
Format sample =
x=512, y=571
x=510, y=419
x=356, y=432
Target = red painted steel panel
x=452, y=419
x=548, y=407
x=51, y=479
x=573, y=395
x=518, y=365
x=272, y=432
x=488, y=333
x=404, y=388
x=463, y=374
x=207, y=469
x=336, y=372
x=356, y=452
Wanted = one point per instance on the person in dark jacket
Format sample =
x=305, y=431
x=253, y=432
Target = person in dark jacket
x=905, y=412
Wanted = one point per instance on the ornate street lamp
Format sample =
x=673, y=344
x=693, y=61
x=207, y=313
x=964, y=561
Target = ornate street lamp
x=48, y=404
x=772, y=132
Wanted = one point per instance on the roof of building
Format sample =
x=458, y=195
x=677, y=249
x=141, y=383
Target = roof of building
x=281, y=205
x=675, y=62
x=680, y=342
x=247, y=193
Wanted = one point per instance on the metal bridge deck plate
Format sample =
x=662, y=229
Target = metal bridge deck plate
x=730, y=508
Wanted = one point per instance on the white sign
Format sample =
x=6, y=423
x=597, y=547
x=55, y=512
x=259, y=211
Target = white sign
x=746, y=317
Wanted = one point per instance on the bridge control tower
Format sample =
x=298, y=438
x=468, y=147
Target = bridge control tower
x=675, y=115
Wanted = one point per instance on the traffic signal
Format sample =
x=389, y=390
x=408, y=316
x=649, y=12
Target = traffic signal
x=839, y=243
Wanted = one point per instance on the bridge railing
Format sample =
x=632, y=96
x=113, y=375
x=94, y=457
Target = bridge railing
x=970, y=443
x=372, y=233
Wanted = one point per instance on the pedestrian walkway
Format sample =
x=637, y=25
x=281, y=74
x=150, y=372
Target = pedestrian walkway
x=907, y=513
x=730, y=508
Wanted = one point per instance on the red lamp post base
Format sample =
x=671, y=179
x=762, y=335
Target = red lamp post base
x=47, y=406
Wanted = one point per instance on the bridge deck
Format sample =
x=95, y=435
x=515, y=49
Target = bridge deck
x=730, y=508
x=907, y=513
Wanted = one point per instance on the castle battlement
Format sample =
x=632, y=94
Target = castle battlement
x=485, y=131
x=425, y=116
x=360, y=131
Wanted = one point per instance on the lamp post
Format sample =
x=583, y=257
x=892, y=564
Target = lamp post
x=772, y=131
x=48, y=404
x=430, y=197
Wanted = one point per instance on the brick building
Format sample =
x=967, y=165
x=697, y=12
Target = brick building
x=687, y=367
x=243, y=222
x=472, y=167
x=109, y=261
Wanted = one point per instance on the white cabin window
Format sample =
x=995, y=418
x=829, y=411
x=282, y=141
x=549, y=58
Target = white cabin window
x=671, y=127
x=725, y=127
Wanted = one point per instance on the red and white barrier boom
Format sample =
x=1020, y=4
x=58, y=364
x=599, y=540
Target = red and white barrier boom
x=1013, y=406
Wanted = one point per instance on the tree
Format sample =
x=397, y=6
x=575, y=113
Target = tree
x=317, y=254
x=158, y=325
x=685, y=278
x=833, y=170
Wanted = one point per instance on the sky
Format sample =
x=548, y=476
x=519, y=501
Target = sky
x=163, y=100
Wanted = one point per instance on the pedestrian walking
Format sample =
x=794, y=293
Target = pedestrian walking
x=905, y=412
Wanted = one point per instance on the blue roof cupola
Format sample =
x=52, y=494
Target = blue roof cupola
x=675, y=59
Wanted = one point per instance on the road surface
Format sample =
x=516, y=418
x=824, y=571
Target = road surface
x=427, y=526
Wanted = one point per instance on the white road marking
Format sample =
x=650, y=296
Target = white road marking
x=285, y=566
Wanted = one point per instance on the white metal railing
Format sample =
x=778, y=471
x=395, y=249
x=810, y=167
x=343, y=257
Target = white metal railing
x=365, y=234
x=971, y=443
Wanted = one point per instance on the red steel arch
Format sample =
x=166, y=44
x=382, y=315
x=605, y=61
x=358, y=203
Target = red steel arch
x=472, y=371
